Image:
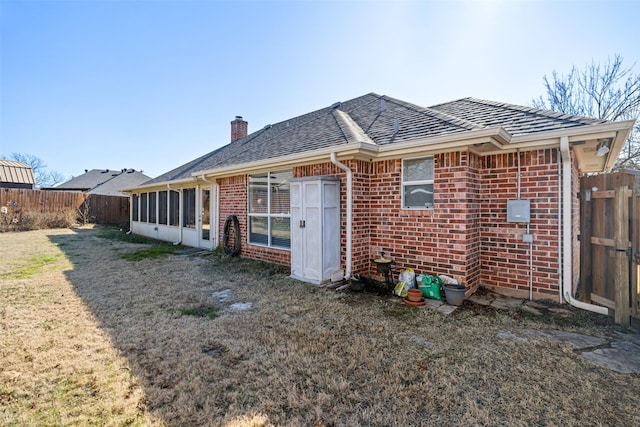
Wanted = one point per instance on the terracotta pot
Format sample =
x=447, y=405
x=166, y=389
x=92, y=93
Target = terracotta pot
x=414, y=295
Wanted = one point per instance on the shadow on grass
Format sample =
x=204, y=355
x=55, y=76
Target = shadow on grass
x=302, y=355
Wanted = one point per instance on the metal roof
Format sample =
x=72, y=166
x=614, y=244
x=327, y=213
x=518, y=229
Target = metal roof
x=16, y=172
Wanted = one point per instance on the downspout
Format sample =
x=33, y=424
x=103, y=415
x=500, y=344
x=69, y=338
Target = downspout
x=567, y=253
x=345, y=168
x=179, y=212
x=559, y=226
x=216, y=209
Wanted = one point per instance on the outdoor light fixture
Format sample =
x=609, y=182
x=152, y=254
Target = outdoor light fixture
x=602, y=148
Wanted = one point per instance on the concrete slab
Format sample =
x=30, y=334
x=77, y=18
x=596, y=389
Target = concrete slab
x=510, y=336
x=433, y=303
x=530, y=309
x=505, y=303
x=578, y=341
x=222, y=295
x=623, y=357
x=422, y=341
x=482, y=299
x=561, y=311
x=634, y=338
x=535, y=305
x=447, y=309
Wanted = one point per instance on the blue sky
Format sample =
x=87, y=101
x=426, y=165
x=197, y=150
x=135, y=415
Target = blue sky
x=151, y=85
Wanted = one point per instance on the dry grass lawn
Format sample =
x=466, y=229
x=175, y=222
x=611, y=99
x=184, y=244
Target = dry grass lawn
x=88, y=337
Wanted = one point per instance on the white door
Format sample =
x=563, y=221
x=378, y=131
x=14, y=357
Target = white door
x=205, y=198
x=315, y=229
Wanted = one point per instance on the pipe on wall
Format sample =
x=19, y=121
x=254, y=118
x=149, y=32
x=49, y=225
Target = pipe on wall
x=567, y=241
x=349, y=261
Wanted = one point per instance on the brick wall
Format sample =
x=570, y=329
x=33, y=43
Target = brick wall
x=361, y=172
x=440, y=241
x=505, y=258
x=233, y=201
x=466, y=236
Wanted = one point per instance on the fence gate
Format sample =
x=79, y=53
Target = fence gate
x=610, y=244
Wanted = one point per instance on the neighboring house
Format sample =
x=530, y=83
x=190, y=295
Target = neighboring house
x=108, y=182
x=16, y=175
x=473, y=189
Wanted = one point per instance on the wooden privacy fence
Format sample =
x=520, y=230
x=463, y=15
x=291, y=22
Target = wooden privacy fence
x=94, y=208
x=610, y=243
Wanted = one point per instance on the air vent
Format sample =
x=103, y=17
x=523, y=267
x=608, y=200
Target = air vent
x=267, y=127
x=336, y=105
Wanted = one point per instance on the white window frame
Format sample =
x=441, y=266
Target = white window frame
x=268, y=215
x=418, y=182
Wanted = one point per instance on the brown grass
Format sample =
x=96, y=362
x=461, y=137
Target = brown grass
x=33, y=220
x=102, y=340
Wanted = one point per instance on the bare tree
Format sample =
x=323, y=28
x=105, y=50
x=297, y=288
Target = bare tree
x=605, y=91
x=44, y=177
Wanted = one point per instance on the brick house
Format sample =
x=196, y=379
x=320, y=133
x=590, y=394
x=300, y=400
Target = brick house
x=479, y=190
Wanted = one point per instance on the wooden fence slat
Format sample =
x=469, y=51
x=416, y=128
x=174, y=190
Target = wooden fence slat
x=621, y=236
x=101, y=209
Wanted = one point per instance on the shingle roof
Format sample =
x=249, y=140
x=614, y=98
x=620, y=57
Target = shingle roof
x=105, y=181
x=16, y=172
x=379, y=120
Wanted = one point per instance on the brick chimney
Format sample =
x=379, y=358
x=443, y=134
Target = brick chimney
x=238, y=128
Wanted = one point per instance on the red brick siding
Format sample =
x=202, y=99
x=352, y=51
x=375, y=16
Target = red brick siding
x=443, y=240
x=361, y=172
x=466, y=234
x=233, y=201
x=504, y=257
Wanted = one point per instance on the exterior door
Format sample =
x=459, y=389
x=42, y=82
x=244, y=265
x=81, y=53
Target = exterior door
x=204, y=221
x=315, y=228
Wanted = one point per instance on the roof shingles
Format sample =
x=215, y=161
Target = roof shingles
x=373, y=118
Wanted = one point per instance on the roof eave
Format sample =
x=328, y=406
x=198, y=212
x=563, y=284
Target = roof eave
x=159, y=184
x=307, y=157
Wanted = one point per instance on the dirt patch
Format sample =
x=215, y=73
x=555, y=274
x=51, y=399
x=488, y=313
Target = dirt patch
x=106, y=341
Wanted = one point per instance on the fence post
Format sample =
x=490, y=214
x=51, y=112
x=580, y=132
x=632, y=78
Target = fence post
x=621, y=238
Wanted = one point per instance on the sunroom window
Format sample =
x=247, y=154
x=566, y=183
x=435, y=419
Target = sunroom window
x=143, y=207
x=135, y=203
x=417, y=183
x=189, y=207
x=162, y=207
x=269, y=209
x=174, y=208
x=152, y=207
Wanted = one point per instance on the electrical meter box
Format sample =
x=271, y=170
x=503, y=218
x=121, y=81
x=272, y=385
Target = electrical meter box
x=518, y=210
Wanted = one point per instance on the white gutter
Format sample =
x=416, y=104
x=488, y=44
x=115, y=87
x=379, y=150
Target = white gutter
x=567, y=266
x=345, y=168
x=179, y=211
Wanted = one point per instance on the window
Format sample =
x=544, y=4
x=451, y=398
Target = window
x=189, y=207
x=417, y=183
x=135, y=200
x=162, y=207
x=269, y=209
x=143, y=207
x=152, y=207
x=174, y=208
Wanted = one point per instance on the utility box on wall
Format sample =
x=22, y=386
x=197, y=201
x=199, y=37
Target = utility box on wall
x=518, y=210
x=315, y=228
